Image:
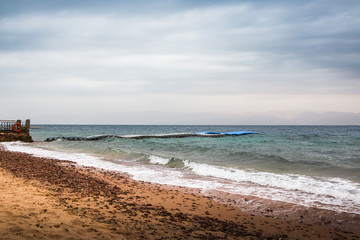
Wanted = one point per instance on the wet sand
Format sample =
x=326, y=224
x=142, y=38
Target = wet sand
x=51, y=199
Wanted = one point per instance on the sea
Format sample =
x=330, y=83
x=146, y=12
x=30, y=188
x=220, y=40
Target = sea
x=311, y=166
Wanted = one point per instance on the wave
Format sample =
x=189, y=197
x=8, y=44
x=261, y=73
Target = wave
x=295, y=188
x=330, y=193
x=336, y=187
x=300, y=164
x=168, y=162
x=158, y=160
x=305, y=190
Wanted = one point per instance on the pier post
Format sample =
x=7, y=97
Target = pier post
x=27, y=125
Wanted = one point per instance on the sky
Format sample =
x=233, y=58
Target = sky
x=179, y=61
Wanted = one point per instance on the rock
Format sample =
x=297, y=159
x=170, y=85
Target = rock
x=12, y=136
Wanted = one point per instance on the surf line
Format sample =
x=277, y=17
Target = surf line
x=170, y=135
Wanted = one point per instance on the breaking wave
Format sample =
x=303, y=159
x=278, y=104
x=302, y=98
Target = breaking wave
x=323, y=192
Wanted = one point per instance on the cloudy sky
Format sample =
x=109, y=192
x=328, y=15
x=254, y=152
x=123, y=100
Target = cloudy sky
x=104, y=61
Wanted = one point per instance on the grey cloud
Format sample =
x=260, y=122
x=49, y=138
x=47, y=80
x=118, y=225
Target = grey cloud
x=102, y=48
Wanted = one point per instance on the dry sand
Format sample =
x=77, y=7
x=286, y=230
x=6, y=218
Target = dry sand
x=51, y=199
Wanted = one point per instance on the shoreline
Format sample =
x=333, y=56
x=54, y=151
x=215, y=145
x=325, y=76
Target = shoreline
x=111, y=204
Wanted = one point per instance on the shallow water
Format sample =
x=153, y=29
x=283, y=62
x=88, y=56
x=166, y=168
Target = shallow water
x=307, y=165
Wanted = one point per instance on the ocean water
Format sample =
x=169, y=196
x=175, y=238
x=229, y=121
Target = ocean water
x=315, y=166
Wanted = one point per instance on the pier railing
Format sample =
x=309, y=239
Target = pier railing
x=14, y=126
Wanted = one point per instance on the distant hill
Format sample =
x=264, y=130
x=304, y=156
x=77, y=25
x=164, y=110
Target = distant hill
x=327, y=118
x=192, y=118
x=270, y=118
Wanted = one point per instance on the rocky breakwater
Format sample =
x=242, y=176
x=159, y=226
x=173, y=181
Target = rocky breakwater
x=12, y=136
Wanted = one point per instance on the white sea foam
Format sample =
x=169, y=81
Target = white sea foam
x=159, y=160
x=80, y=158
x=329, y=186
x=290, y=187
x=329, y=193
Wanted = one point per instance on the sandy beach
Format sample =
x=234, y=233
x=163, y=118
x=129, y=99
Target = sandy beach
x=52, y=199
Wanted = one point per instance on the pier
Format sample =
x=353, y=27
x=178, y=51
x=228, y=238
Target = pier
x=15, y=126
x=15, y=130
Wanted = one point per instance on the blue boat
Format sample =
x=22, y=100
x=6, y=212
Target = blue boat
x=207, y=133
x=239, y=133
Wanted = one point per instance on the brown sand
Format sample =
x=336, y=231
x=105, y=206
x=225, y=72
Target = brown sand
x=51, y=199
